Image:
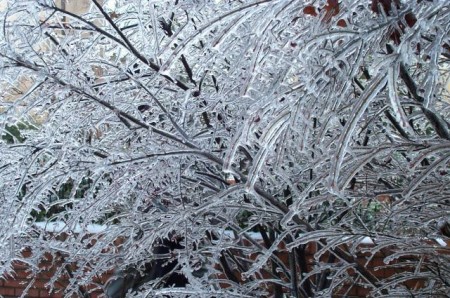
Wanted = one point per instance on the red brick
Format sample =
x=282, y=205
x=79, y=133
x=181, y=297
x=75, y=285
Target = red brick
x=21, y=273
x=47, y=274
x=388, y=272
x=30, y=293
x=363, y=292
x=415, y=283
x=16, y=283
x=18, y=265
x=26, y=253
x=52, y=263
x=379, y=273
x=40, y=284
x=92, y=287
x=376, y=262
x=97, y=295
x=46, y=294
x=7, y=292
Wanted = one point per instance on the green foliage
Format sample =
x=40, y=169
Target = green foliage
x=12, y=134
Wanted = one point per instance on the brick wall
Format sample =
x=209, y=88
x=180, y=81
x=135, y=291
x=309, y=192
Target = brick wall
x=14, y=286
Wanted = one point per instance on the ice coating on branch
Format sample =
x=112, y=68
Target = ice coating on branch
x=208, y=148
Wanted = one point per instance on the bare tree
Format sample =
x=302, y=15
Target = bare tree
x=233, y=132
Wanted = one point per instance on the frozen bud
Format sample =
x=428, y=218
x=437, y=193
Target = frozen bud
x=230, y=179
